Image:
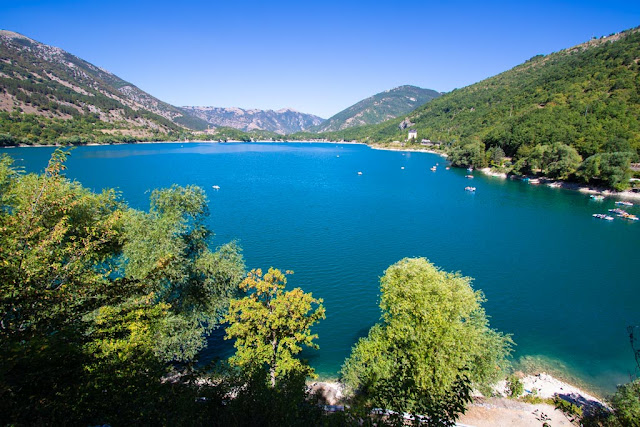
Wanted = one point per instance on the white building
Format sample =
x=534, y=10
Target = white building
x=413, y=134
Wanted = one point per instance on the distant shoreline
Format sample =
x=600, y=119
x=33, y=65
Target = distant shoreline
x=583, y=188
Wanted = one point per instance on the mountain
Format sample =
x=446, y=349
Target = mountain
x=283, y=121
x=378, y=108
x=572, y=114
x=582, y=96
x=56, y=86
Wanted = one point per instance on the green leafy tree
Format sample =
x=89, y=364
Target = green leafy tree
x=561, y=161
x=167, y=250
x=432, y=346
x=270, y=325
x=610, y=169
x=626, y=404
x=96, y=298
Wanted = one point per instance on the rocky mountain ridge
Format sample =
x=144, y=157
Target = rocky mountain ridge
x=50, y=82
x=283, y=121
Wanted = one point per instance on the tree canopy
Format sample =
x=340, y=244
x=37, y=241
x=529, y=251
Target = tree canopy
x=432, y=346
x=270, y=325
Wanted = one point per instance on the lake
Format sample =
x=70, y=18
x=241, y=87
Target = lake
x=563, y=283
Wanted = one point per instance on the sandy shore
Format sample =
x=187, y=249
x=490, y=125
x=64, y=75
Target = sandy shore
x=498, y=409
x=570, y=186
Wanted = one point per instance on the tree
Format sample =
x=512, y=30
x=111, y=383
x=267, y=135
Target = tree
x=561, y=161
x=167, y=250
x=626, y=404
x=431, y=347
x=610, y=169
x=96, y=298
x=270, y=325
x=469, y=154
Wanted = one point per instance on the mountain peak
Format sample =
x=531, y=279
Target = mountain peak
x=283, y=121
x=378, y=108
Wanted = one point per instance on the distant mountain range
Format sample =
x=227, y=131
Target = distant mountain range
x=43, y=87
x=282, y=121
x=378, y=108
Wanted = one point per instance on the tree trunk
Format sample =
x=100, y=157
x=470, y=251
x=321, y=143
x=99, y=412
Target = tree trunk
x=272, y=369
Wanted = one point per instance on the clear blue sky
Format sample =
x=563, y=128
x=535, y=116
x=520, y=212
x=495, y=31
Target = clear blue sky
x=316, y=57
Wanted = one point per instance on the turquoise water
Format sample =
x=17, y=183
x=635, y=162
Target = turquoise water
x=563, y=283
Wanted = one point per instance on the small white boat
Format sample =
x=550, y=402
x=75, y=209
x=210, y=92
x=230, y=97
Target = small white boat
x=469, y=176
x=447, y=168
x=603, y=216
x=433, y=168
x=359, y=173
x=402, y=167
x=624, y=203
x=216, y=187
x=471, y=189
x=597, y=197
x=470, y=168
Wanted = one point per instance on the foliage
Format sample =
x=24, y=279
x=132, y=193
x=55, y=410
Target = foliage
x=514, y=386
x=378, y=108
x=584, y=97
x=270, y=325
x=568, y=408
x=96, y=297
x=432, y=346
x=610, y=169
x=471, y=154
x=626, y=404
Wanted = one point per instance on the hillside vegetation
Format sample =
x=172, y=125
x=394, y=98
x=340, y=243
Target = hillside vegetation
x=570, y=114
x=378, y=108
x=62, y=97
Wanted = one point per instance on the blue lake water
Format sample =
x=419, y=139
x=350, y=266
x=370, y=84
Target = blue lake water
x=564, y=284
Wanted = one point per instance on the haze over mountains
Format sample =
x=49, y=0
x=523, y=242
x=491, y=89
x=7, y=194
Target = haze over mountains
x=282, y=121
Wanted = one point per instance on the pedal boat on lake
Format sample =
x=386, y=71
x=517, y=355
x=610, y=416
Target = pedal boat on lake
x=470, y=189
x=603, y=216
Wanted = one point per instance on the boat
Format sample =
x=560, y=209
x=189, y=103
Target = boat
x=471, y=189
x=433, y=168
x=447, y=168
x=618, y=211
x=470, y=168
x=623, y=203
x=603, y=216
x=629, y=217
x=402, y=167
x=359, y=173
x=216, y=187
x=469, y=176
x=596, y=197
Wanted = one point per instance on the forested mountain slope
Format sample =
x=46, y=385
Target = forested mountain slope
x=569, y=114
x=378, y=108
x=64, y=96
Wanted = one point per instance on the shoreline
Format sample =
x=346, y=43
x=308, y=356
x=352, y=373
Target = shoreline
x=565, y=185
x=583, y=188
x=497, y=409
